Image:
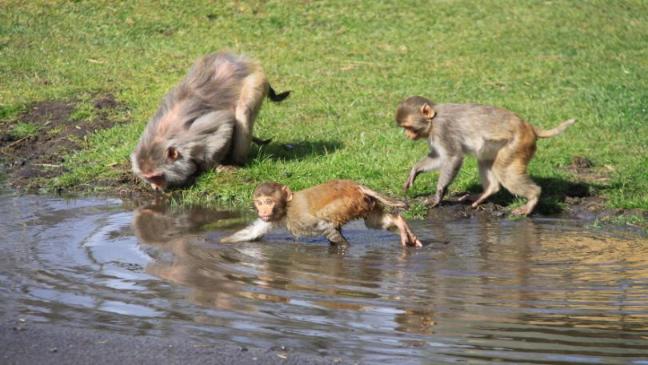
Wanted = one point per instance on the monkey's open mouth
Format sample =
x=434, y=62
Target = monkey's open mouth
x=265, y=218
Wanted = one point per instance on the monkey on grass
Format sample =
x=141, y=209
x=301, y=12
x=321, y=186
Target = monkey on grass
x=204, y=121
x=501, y=141
x=322, y=210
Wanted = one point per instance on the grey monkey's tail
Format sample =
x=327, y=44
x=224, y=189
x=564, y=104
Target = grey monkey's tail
x=555, y=131
x=272, y=95
x=383, y=199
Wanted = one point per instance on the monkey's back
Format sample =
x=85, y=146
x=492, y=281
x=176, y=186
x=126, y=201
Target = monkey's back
x=336, y=201
x=490, y=121
x=480, y=126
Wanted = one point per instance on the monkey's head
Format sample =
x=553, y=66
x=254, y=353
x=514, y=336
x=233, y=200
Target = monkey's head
x=415, y=116
x=161, y=164
x=271, y=200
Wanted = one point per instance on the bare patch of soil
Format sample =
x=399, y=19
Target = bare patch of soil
x=30, y=160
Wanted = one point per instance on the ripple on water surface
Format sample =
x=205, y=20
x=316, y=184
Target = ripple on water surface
x=531, y=291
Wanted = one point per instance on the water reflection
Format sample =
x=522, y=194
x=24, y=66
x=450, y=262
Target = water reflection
x=529, y=291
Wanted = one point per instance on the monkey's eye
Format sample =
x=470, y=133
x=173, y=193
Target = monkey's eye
x=173, y=154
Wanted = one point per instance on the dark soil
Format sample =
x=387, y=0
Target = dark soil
x=29, y=161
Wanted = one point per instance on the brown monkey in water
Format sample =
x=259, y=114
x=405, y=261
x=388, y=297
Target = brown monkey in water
x=322, y=209
x=502, y=143
x=205, y=120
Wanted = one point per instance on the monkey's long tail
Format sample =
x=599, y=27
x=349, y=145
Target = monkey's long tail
x=555, y=131
x=272, y=95
x=383, y=199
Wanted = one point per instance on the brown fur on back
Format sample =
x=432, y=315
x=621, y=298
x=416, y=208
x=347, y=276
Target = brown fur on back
x=336, y=201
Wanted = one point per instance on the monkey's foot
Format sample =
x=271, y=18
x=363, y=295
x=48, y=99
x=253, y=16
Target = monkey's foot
x=521, y=211
x=432, y=202
x=226, y=168
x=469, y=198
x=339, y=243
x=335, y=238
x=261, y=142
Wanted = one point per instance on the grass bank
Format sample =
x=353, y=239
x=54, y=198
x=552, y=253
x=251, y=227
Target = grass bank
x=348, y=63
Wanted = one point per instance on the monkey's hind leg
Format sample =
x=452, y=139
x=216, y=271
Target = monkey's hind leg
x=516, y=180
x=253, y=91
x=488, y=180
x=378, y=219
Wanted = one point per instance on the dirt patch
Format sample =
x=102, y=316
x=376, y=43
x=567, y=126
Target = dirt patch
x=51, y=130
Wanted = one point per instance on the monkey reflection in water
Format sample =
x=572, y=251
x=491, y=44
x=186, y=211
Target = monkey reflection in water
x=180, y=256
x=322, y=209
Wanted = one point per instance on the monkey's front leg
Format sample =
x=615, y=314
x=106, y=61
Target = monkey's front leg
x=429, y=163
x=448, y=172
x=335, y=237
x=250, y=233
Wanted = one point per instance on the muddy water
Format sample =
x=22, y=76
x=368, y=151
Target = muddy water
x=537, y=291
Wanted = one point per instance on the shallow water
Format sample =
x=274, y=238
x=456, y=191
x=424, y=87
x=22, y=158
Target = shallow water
x=536, y=291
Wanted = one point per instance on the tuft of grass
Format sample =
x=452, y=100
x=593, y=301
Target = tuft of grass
x=349, y=63
x=23, y=130
x=10, y=111
x=83, y=111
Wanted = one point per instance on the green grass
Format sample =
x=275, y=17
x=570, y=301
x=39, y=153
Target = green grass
x=349, y=63
x=23, y=130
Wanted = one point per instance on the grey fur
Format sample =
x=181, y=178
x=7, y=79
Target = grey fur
x=197, y=119
x=501, y=141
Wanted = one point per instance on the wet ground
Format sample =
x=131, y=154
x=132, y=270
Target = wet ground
x=482, y=291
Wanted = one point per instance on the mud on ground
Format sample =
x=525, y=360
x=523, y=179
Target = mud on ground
x=59, y=129
x=52, y=130
x=56, y=129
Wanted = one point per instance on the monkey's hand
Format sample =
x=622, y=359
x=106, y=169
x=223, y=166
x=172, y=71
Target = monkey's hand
x=252, y=232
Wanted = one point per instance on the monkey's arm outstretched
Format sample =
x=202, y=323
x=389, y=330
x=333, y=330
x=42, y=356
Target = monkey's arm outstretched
x=252, y=232
x=430, y=162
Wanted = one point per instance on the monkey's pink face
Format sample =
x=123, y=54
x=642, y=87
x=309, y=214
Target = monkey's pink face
x=265, y=206
x=160, y=168
x=157, y=181
x=147, y=171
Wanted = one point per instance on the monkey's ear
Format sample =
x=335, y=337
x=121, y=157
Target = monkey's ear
x=289, y=194
x=173, y=154
x=427, y=111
